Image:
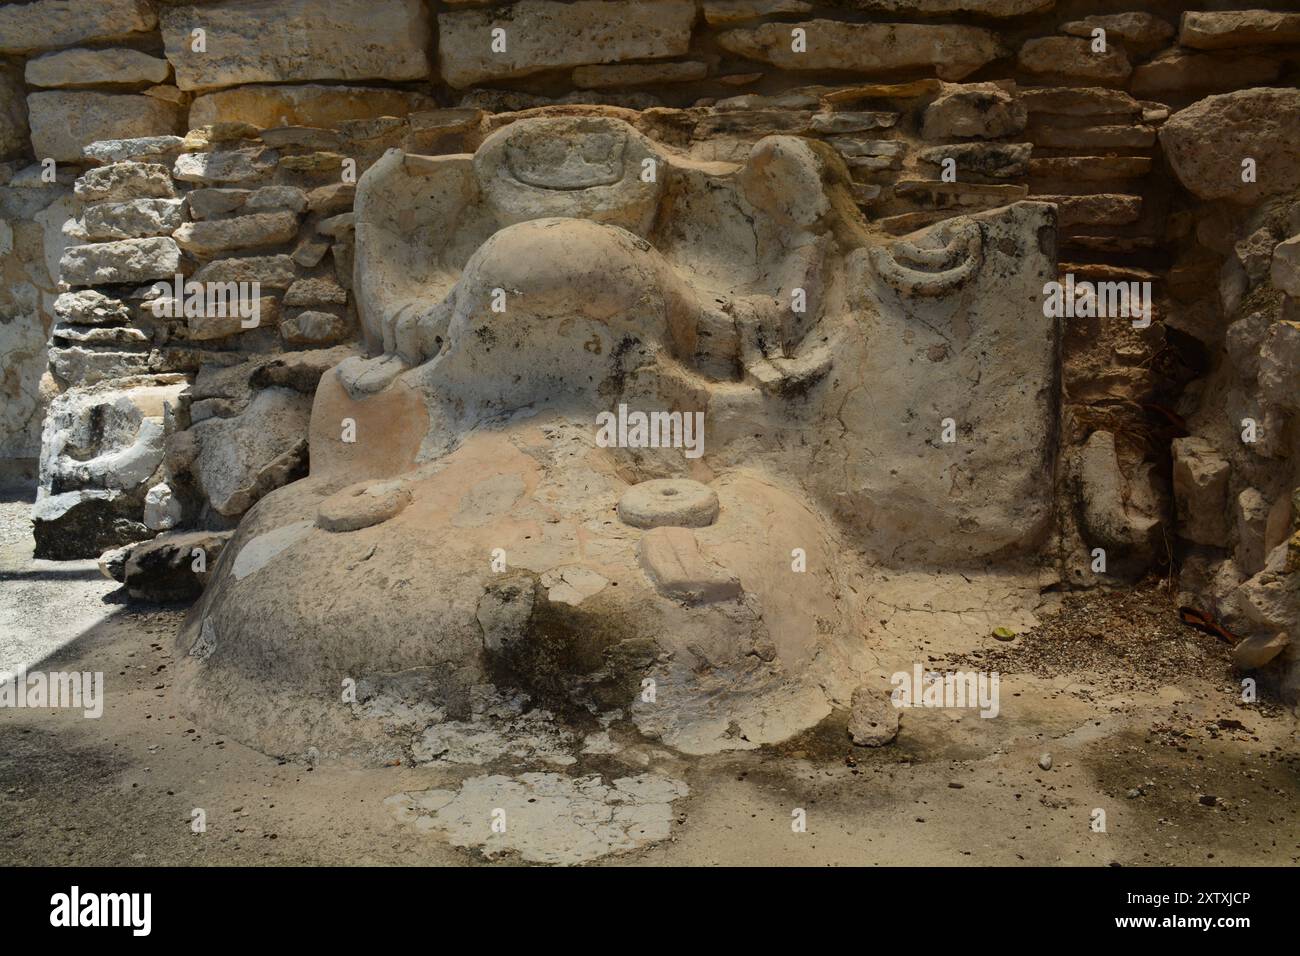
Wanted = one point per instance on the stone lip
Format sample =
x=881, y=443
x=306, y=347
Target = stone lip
x=361, y=505
x=668, y=502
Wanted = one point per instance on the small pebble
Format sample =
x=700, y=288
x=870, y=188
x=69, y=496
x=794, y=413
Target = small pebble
x=1045, y=761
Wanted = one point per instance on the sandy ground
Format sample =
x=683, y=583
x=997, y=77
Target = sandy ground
x=1142, y=718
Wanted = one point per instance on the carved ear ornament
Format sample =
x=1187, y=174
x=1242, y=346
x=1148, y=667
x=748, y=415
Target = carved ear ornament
x=916, y=270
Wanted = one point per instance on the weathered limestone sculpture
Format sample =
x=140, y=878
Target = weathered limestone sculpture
x=865, y=401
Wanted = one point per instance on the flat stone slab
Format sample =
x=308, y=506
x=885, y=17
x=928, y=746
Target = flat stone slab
x=673, y=560
x=547, y=817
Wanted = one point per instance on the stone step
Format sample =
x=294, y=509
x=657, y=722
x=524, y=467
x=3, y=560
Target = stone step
x=1097, y=209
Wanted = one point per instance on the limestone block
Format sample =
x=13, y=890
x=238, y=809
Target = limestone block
x=638, y=74
x=1279, y=365
x=1072, y=58
x=272, y=272
x=277, y=197
x=307, y=105
x=545, y=35
x=1201, y=491
x=1271, y=598
x=81, y=67
x=853, y=121
x=314, y=327
x=139, y=149
x=720, y=12
x=242, y=458
x=238, y=319
x=995, y=160
x=216, y=201
x=63, y=121
x=1107, y=518
x=1140, y=32
x=127, y=260
x=984, y=110
x=1285, y=267
x=23, y=345
x=1079, y=101
x=322, y=290
x=78, y=365
x=84, y=524
x=1251, y=519
x=983, y=491
x=952, y=51
x=162, y=509
x=1182, y=71
x=1235, y=28
x=1257, y=650
x=133, y=218
x=1207, y=141
x=1101, y=209
x=225, y=167
x=50, y=24
x=274, y=41
x=164, y=569
x=91, y=307
x=213, y=237
x=120, y=182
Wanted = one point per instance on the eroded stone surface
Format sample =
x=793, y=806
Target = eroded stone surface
x=548, y=818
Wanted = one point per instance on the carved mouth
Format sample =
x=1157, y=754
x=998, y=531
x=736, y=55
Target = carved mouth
x=564, y=165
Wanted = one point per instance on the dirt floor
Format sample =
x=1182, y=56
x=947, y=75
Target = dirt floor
x=1141, y=716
